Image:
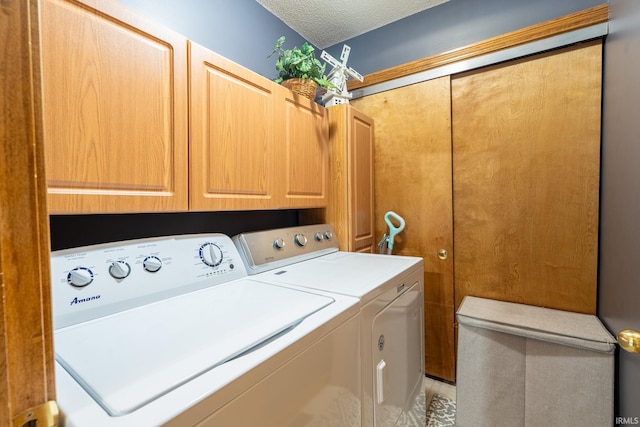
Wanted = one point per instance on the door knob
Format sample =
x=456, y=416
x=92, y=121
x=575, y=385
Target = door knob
x=443, y=254
x=629, y=340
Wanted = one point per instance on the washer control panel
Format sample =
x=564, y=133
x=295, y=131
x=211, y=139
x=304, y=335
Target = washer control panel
x=99, y=280
x=266, y=250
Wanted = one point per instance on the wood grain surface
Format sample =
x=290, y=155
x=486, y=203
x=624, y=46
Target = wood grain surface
x=26, y=344
x=413, y=179
x=115, y=103
x=526, y=155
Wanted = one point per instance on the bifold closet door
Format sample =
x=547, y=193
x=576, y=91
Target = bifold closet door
x=526, y=155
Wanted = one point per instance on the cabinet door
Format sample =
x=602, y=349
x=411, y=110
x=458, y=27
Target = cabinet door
x=115, y=110
x=233, y=150
x=526, y=150
x=350, y=206
x=360, y=186
x=305, y=162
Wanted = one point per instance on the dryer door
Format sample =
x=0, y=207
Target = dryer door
x=397, y=348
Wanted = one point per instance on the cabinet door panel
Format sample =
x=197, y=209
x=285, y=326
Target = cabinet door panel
x=361, y=181
x=306, y=161
x=526, y=147
x=115, y=93
x=232, y=135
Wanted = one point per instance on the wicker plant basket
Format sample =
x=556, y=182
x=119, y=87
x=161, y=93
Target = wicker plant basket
x=304, y=87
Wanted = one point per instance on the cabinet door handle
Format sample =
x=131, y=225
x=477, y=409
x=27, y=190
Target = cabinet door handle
x=443, y=254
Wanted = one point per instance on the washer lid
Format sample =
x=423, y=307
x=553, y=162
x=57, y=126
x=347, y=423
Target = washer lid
x=128, y=359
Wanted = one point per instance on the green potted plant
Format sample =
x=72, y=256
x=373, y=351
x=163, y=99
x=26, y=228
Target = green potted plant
x=299, y=69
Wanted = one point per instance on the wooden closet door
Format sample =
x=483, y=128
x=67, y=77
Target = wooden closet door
x=526, y=146
x=413, y=178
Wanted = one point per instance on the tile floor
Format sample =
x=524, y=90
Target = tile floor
x=432, y=386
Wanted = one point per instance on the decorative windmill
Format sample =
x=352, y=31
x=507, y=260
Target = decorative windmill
x=338, y=77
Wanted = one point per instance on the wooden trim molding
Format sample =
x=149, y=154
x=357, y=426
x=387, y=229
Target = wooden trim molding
x=574, y=21
x=26, y=344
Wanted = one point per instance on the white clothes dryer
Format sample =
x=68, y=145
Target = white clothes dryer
x=390, y=293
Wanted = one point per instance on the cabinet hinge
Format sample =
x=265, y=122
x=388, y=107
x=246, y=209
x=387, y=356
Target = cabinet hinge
x=45, y=415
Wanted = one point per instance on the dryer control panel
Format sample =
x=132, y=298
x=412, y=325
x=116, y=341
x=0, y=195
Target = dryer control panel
x=99, y=280
x=265, y=250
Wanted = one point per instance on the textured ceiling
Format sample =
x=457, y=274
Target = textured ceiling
x=326, y=22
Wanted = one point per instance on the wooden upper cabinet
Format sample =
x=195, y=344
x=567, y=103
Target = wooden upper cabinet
x=123, y=133
x=305, y=162
x=233, y=143
x=350, y=209
x=253, y=144
x=115, y=110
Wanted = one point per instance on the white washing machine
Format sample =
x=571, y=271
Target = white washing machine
x=172, y=331
x=390, y=293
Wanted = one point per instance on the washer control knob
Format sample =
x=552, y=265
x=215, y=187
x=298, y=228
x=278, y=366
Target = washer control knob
x=328, y=235
x=279, y=243
x=152, y=264
x=119, y=269
x=318, y=236
x=300, y=239
x=211, y=254
x=80, y=277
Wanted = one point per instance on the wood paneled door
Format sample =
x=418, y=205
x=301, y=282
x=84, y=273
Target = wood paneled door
x=526, y=156
x=496, y=172
x=26, y=344
x=413, y=178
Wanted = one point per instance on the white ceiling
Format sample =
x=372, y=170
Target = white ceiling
x=324, y=23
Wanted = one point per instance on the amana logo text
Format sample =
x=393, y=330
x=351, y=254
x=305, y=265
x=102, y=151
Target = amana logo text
x=77, y=300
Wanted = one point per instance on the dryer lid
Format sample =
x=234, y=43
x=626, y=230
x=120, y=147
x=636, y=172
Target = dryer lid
x=127, y=360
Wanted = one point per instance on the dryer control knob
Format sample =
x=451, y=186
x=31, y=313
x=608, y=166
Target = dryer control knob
x=279, y=243
x=300, y=239
x=80, y=277
x=119, y=269
x=318, y=236
x=152, y=264
x=211, y=254
x=328, y=235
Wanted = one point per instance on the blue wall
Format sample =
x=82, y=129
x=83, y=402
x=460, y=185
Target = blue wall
x=449, y=26
x=240, y=30
x=243, y=31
